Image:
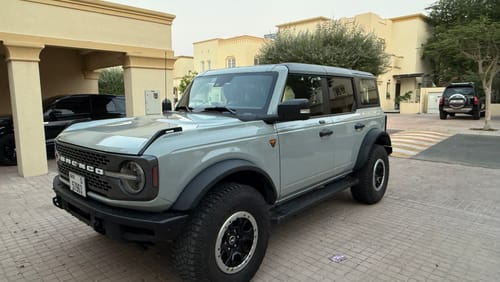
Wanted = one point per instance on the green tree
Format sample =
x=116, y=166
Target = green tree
x=334, y=44
x=111, y=81
x=466, y=44
x=186, y=80
x=453, y=66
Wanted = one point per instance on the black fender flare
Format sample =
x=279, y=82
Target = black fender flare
x=374, y=136
x=202, y=183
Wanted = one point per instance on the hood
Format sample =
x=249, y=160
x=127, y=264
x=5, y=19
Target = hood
x=133, y=135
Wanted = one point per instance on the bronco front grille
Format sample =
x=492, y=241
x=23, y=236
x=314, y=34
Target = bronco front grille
x=94, y=182
x=94, y=159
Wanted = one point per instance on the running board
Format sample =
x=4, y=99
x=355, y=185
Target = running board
x=294, y=206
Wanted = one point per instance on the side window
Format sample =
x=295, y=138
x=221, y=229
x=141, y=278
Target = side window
x=73, y=105
x=118, y=105
x=368, y=94
x=341, y=95
x=305, y=87
x=106, y=104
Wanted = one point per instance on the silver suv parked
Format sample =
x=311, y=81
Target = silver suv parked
x=242, y=148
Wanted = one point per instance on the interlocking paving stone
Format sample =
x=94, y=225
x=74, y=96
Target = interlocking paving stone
x=425, y=229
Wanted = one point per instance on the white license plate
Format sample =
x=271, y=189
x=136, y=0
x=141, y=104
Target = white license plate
x=77, y=184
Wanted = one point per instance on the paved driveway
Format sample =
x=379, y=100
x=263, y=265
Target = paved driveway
x=437, y=222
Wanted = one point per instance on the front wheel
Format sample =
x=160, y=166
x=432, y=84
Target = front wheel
x=8, y=150
x=226, y=237
x=373, y=177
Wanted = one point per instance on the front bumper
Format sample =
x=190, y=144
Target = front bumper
x=118, y=223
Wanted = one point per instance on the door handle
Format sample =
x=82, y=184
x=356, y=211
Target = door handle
x=325, y=132
x=359, y=126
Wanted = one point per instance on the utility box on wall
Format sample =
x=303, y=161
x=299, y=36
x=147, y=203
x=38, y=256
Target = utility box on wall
x=153, y=102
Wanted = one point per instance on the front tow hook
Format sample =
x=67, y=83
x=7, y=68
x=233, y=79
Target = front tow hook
x=57, y=202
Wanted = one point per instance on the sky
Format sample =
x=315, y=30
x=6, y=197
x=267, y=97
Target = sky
x=201, y=20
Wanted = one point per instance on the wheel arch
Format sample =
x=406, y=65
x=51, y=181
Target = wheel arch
x=240, y=171
x=374, y=136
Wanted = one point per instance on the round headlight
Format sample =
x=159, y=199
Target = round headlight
x=132, y=178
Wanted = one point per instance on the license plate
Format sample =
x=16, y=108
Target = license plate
x=77, y=184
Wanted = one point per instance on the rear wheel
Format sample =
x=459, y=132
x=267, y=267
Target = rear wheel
x=373, y=177
x=476, y=114
x=442, y=115
x=226, y=237
x=8, y=150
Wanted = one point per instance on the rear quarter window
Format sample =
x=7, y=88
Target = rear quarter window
x=464, y=90
x=368, y=94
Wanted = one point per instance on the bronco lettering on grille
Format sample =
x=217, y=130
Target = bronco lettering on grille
x=80, y=165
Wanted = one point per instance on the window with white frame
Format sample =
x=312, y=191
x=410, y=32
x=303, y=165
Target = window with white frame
x=202, y=66
x=230, y=62
x=209, y=65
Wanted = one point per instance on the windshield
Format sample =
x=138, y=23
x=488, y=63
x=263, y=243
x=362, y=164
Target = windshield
x=464, y=90
x=234, y=93
x=47, y=102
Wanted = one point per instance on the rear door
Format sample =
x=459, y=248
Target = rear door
x=346, y=123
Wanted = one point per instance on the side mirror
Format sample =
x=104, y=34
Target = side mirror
x=166, y=105
x=54, y=114
x=294, y=109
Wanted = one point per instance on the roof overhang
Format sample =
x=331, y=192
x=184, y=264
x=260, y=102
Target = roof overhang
x=408, y=75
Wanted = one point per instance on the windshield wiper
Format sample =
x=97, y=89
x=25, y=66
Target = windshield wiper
x=219, y=109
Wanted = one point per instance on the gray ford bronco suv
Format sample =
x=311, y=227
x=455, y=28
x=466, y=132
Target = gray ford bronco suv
x=244, y=147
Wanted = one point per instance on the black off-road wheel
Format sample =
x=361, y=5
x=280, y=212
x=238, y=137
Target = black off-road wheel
x=373, y=177
x=442, y=115
x=8, y=150
x=476, y=114
x=226, y=236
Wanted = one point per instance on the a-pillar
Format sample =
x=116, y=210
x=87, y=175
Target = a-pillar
x=26, y=99
x=142, y=73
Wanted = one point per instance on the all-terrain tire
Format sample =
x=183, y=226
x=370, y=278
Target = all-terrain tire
x=373, y=177
x=476, y=114
x=442, y=115
x=226, y=236
x=8, y=150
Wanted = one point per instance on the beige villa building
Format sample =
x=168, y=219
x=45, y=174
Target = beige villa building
x=403, y=38
x=54, y=47
x=231, y=52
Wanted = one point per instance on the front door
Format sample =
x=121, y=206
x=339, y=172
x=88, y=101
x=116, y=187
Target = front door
x=306, y=155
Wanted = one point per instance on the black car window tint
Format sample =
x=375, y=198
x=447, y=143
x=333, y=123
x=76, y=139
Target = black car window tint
x=73, y=105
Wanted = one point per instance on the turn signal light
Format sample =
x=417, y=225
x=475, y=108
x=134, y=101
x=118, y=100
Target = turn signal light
x=441, y=101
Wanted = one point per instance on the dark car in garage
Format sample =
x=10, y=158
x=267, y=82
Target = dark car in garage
x=58, y=113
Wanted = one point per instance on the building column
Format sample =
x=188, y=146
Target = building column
x=143, y=74
x=26, y=99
